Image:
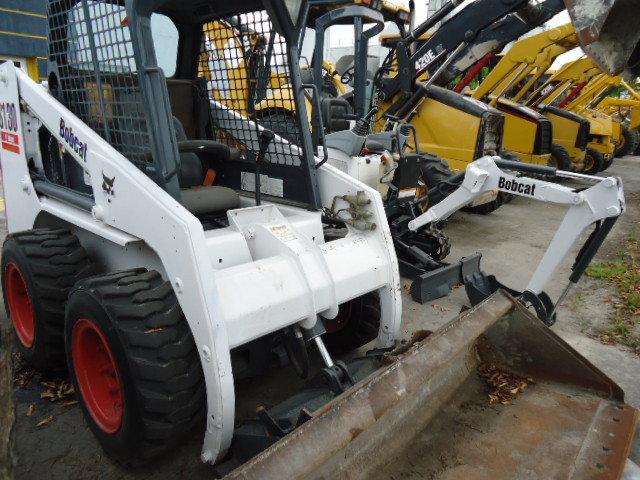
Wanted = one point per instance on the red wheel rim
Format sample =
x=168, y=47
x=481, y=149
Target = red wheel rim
x=20, y=306
x=97, y=374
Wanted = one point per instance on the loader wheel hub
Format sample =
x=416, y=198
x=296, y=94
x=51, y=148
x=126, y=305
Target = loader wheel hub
x=97, y=374
x=20, y=306
x=588, y=162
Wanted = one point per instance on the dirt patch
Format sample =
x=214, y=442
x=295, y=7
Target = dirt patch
x=7, y=457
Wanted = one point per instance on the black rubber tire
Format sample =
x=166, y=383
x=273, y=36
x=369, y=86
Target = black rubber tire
x=51, y=263
x=435, y=171
x=637, y=149
x=283, y=124
x=358, y=324
x=635, y=135
x=560, y=158
x=164, y=389
x=594, y=161
x=489, y=207
x=628, y=142
x=606, y=164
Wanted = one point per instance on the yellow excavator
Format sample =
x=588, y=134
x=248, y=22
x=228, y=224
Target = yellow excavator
x=479, y=128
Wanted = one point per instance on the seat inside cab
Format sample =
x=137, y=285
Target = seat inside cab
x=191, y=120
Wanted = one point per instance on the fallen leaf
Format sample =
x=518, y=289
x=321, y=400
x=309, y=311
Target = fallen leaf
x=48, y=394
x=68, y=403
x=44, y=422
x=31, y=409
x=505, y=387
x=442, y=308
x=154, y=330
x=57, y=389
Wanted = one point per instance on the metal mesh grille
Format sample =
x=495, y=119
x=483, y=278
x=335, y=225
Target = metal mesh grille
x=244, y=63
x=91, y=44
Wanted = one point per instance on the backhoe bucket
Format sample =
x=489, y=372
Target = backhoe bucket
x=492, y=395
x=608, y=33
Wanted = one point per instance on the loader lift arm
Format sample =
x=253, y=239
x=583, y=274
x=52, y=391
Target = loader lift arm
x=520, y=59
x=463, y=31
x=494, y=38
x=445, y=44
x=599, y=205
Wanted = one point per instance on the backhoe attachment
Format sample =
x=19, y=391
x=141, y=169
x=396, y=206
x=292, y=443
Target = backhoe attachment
x=597, y=207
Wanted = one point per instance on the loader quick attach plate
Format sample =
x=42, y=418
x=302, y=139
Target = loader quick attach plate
x=428, y=413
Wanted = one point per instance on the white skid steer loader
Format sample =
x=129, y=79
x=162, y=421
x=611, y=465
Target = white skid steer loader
x=156, y=233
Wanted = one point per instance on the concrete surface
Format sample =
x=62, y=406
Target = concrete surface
x=512, y=241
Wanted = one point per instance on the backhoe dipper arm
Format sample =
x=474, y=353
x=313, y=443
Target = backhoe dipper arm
x=507, y=29
x=602, y=201
x=457, y=31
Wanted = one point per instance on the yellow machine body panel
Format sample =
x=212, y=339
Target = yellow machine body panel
x=521, y=132
x=565, y=133
x=602, y=132
x=519, y=137
x=448, y=132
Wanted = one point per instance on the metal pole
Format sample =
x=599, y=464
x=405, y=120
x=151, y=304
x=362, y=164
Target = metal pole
x=324, y=353
x=564, y=294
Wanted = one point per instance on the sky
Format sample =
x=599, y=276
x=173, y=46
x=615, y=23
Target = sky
x=574, y=54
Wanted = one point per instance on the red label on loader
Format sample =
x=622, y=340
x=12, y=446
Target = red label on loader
x=10, y=142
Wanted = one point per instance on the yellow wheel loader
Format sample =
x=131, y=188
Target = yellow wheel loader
x=155, y=284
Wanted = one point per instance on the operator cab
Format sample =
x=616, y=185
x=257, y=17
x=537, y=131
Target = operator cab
x=226, y=79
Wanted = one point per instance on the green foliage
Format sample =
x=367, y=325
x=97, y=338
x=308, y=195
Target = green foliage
x=624, y=326
x=608, y=271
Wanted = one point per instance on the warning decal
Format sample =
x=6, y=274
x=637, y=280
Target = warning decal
x=10, y=142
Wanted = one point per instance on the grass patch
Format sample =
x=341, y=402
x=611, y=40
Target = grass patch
x=624, y=324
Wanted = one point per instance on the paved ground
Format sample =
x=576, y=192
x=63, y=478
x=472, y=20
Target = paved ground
x=512, y=241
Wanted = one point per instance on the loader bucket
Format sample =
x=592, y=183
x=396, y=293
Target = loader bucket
x=428, y=412
x=608, y=33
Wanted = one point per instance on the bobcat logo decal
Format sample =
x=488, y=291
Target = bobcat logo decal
x=107, y=186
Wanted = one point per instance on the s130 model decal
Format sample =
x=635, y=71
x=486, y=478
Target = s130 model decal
x=515, y=186
x=9, y=138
